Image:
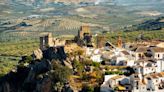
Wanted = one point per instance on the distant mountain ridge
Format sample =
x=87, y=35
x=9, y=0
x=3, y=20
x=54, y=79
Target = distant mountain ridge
x=149, y=25
x=38, y=2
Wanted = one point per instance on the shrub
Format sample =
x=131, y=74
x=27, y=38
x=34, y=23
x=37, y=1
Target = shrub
x=60, y=73
x=114, y=72
x=87, y=88
x=96, y=64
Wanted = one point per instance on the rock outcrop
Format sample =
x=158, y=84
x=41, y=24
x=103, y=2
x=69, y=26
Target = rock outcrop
x=35, y=76
x=38, y=54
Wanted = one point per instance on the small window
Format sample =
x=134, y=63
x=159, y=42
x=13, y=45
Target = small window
x=140, y=55
x=148, y=89
x=127, y=87
x=149, y=78
x=137, y=83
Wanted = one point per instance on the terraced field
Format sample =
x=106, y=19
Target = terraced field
x=17, y=22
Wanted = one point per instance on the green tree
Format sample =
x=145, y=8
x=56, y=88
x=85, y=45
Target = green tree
x=79, y=66
x=60, y=73
x=87, y=88
x=28, y=59
x=87, y=62
x=96, y=64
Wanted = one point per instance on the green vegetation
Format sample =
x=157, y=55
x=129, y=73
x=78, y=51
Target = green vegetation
x=7, y=64
x=132, y=36
x=88, y=88
x=149, y=25
x=18, y=48
x=96, y=64
x=78, y=66
x=60, y=73
x=113, y=72
x=10, y=53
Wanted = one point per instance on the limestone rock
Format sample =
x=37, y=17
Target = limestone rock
x=38, y=54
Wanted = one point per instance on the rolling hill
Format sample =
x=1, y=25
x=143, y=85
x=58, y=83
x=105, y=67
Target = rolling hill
x=24, y=18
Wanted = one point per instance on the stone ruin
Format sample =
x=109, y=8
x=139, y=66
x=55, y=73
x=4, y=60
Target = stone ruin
x=48, y=41
x=34, y=77
x=84, y=37
x=84, y=31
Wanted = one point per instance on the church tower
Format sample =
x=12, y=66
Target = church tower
x=119, y=42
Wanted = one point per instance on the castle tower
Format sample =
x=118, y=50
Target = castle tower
x=84, y=36
x=50, y=40
x=46, y=41
x=42, y=43
x=83, y=31
x=100, y=41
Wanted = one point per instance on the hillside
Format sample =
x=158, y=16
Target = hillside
x=149, y=25
x=27, y=28
x=23, y=19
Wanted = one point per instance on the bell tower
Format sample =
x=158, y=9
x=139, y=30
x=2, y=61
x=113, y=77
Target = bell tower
x=119, y=42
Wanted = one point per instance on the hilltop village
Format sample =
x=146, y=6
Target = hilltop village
x=144, y=61
x=96, y=65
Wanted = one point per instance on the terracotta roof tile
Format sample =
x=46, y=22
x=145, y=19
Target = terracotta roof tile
x=125, y=52
x=157, y=49
x=141, y=49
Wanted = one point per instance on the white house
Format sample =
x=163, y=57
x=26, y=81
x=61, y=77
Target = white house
x=155, y=82
x=145, y=67
x=124, y=58
x=97, y=58
x=105, y=87
x=149, y=83
x=89, y=51
x=160, y=66
x=157, y=52
x=139, y=52
x=112, y=81
x=94, y=54
x=138, y=83
x=117, y=80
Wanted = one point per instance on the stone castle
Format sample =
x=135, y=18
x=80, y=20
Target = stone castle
x=84, y=31
x=48, y=41
x=84, y=36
